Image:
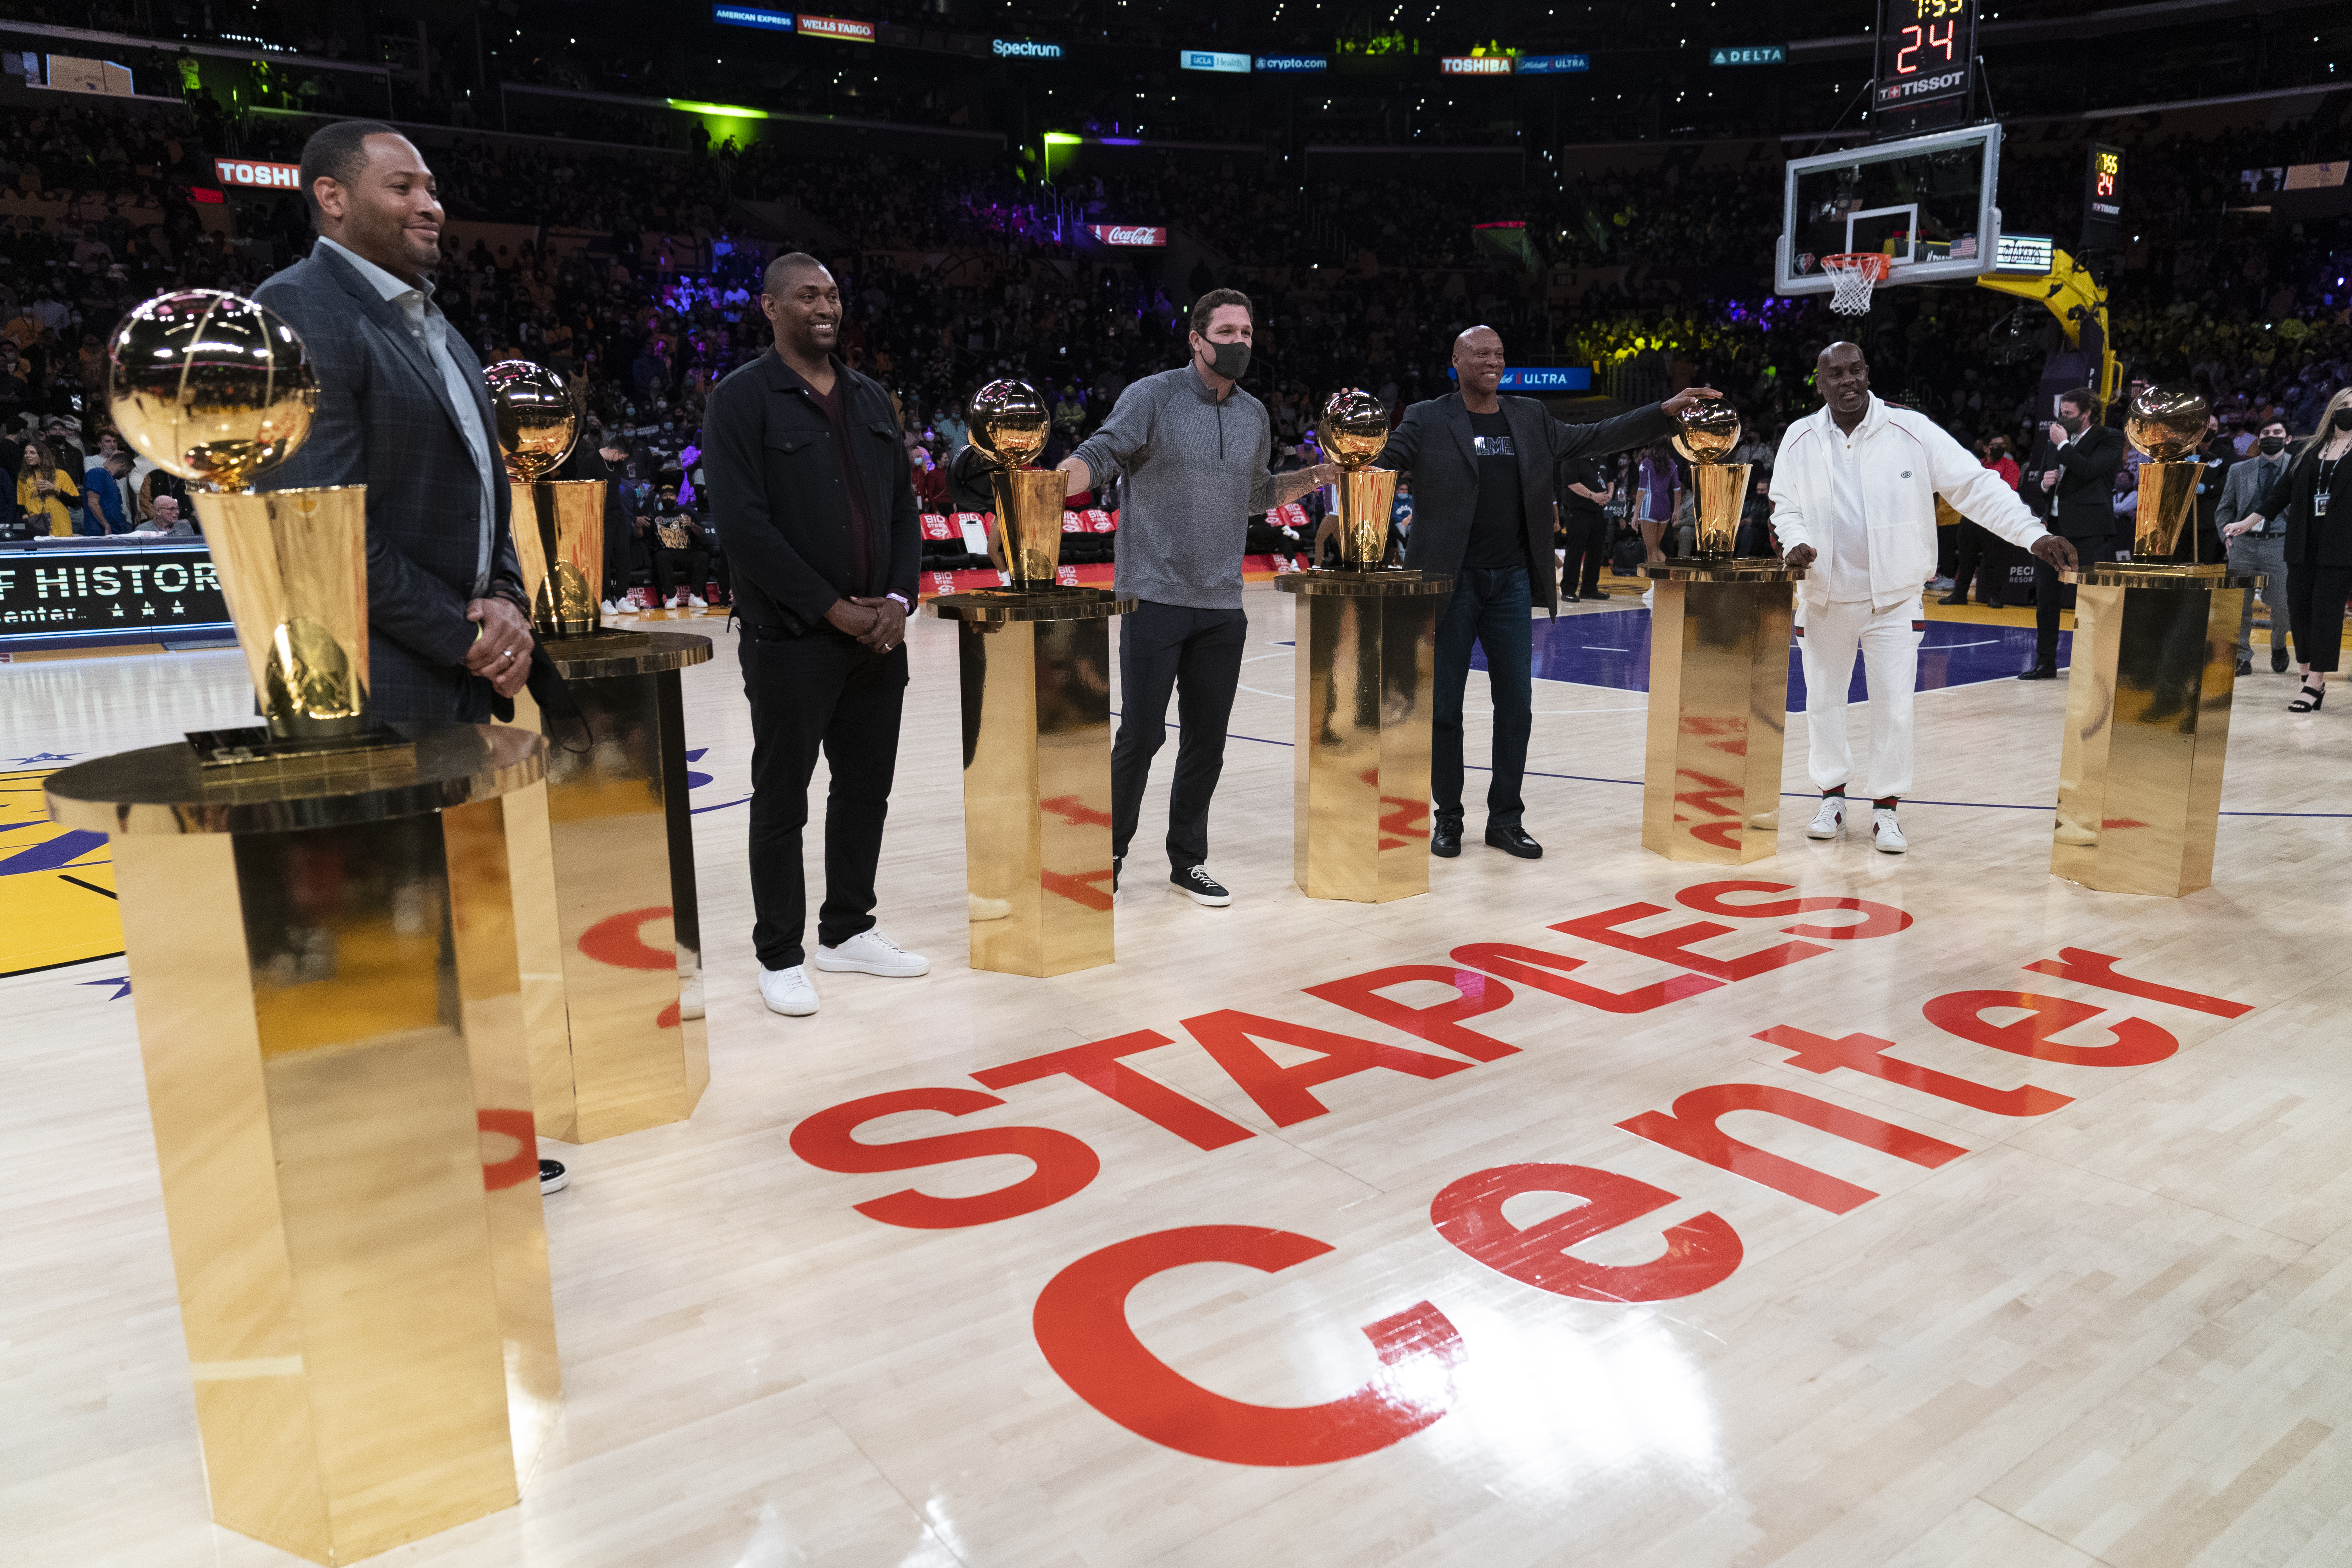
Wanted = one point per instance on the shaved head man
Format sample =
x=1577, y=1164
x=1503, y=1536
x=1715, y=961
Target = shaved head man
x=810, y=489
x=1484, y=469
x=1854, y=501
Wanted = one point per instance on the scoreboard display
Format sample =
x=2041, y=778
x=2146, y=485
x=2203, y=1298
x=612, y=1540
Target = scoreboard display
x=2103, y=198
x=1926, y=65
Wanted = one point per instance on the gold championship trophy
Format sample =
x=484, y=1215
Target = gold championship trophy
x=607, y=915
x=2147, y=696
x=1366, y=652
x=321, y=946
x=1036, y=660
x=1719, y=636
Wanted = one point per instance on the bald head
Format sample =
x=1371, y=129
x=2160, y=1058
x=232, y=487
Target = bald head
x=1478, y=367
x=1843, y=378
x=802, y=303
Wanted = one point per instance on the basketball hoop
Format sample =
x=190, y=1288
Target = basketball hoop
x=1852, y=277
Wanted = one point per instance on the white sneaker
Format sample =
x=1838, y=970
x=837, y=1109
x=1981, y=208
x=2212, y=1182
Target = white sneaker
x=696, y=602
x=1830, y=821
x=1650, y=597
x=611, y=608
x=1884, y=833
x=788, y=991
x=980, y=911
x=871, y=953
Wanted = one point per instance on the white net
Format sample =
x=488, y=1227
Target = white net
x=1852, y=277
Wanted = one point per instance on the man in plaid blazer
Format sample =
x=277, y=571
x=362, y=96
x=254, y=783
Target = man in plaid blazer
x=402, y=410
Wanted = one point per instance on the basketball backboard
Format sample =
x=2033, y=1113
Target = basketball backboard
x=1927, y=203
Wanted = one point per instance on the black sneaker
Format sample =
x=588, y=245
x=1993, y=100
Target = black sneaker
x=2278, y=660
x=2245, y=667
x=1202, y=888
x=552, y=1178
x=1445, y=838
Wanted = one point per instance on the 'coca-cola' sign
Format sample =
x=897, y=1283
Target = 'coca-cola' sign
x=1129, y=234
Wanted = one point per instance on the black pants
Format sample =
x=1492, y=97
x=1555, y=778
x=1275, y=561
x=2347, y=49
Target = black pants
x=1587, y=541
x=2047, y=593
x=1980, y=548
x=2315, y=596
x=1197, y=654
x=827, y=692
x=618, y=539
x=666, y=563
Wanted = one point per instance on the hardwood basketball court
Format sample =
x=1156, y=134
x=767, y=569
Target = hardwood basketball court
x=1481, y=1227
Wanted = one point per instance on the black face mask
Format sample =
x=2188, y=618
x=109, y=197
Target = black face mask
x=1229, y=360
x=2272, y=443
x=2344, y=419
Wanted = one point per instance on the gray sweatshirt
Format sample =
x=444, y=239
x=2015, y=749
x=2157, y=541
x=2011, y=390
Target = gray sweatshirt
x=1195, y=470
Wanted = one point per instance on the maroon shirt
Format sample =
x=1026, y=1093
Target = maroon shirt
x=863, y=544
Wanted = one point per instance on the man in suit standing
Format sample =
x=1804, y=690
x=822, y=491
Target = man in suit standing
x=808, y=486
x=402, y=410
x=1585, y=493
x=1483, y=468
x=2070, y=485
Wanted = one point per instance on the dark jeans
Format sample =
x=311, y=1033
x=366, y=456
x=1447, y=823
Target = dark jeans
x=1489, y=607
x=1586, y=536
x=827, y=692
x=1198, y=655
x=668, y=563
x=2315, y=596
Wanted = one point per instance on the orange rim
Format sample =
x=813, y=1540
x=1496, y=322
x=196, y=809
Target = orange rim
x=1877, y=264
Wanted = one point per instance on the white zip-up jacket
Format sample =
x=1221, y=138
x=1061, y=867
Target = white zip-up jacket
x=1906, y=461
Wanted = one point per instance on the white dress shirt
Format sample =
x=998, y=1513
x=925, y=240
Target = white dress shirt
x=429, y=327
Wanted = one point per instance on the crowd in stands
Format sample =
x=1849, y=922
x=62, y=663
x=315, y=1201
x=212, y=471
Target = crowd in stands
x=957, y=273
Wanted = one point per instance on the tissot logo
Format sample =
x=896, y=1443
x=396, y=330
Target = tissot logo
x=1925, y=87
x=1025, y=49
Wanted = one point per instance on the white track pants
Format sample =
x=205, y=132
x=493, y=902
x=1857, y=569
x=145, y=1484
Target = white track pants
x=1889, y=642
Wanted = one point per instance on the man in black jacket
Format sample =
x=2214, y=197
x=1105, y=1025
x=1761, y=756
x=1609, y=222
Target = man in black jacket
x=2071, y=483
x=402, y=410
x=1483, y=468
x=810, y=487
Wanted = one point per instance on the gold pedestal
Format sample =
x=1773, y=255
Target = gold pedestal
x=1720, y=637
x=1367, y=642
x=1036, y=775
x=2147, y=725
x=617, y=862
x=328, y=1012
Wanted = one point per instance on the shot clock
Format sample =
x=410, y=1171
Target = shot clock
x=1926, y=65
x=2103, y=198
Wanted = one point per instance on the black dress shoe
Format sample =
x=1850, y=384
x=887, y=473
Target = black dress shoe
x=2245, y=667
x=1513, y=841
x=1996, y=603
x=1445, y=839
x=1953, y=599
x=2038, y=672
x=2278, y=661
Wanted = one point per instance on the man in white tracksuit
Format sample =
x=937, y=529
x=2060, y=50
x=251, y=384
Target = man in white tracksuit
x=1853, y=497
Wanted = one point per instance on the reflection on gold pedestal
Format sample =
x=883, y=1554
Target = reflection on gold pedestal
x=625, y=918
x=1367, y=654
x=328, y=1009
x=1719, y=634
x=1036, y=775
x=2148, y=726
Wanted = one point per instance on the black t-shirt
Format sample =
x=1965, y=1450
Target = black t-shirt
x=1585, y=471
x=1497, y=530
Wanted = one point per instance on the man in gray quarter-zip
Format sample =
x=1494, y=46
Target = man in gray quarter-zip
x=1193, y=448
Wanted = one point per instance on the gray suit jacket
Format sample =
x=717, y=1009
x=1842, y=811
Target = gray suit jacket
x=385, y=421
x=1433, y=444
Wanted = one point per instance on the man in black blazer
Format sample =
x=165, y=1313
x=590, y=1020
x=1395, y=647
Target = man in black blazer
x=2071, y=485
x=402, y=410
x=1483, y=468
x=810, y=488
